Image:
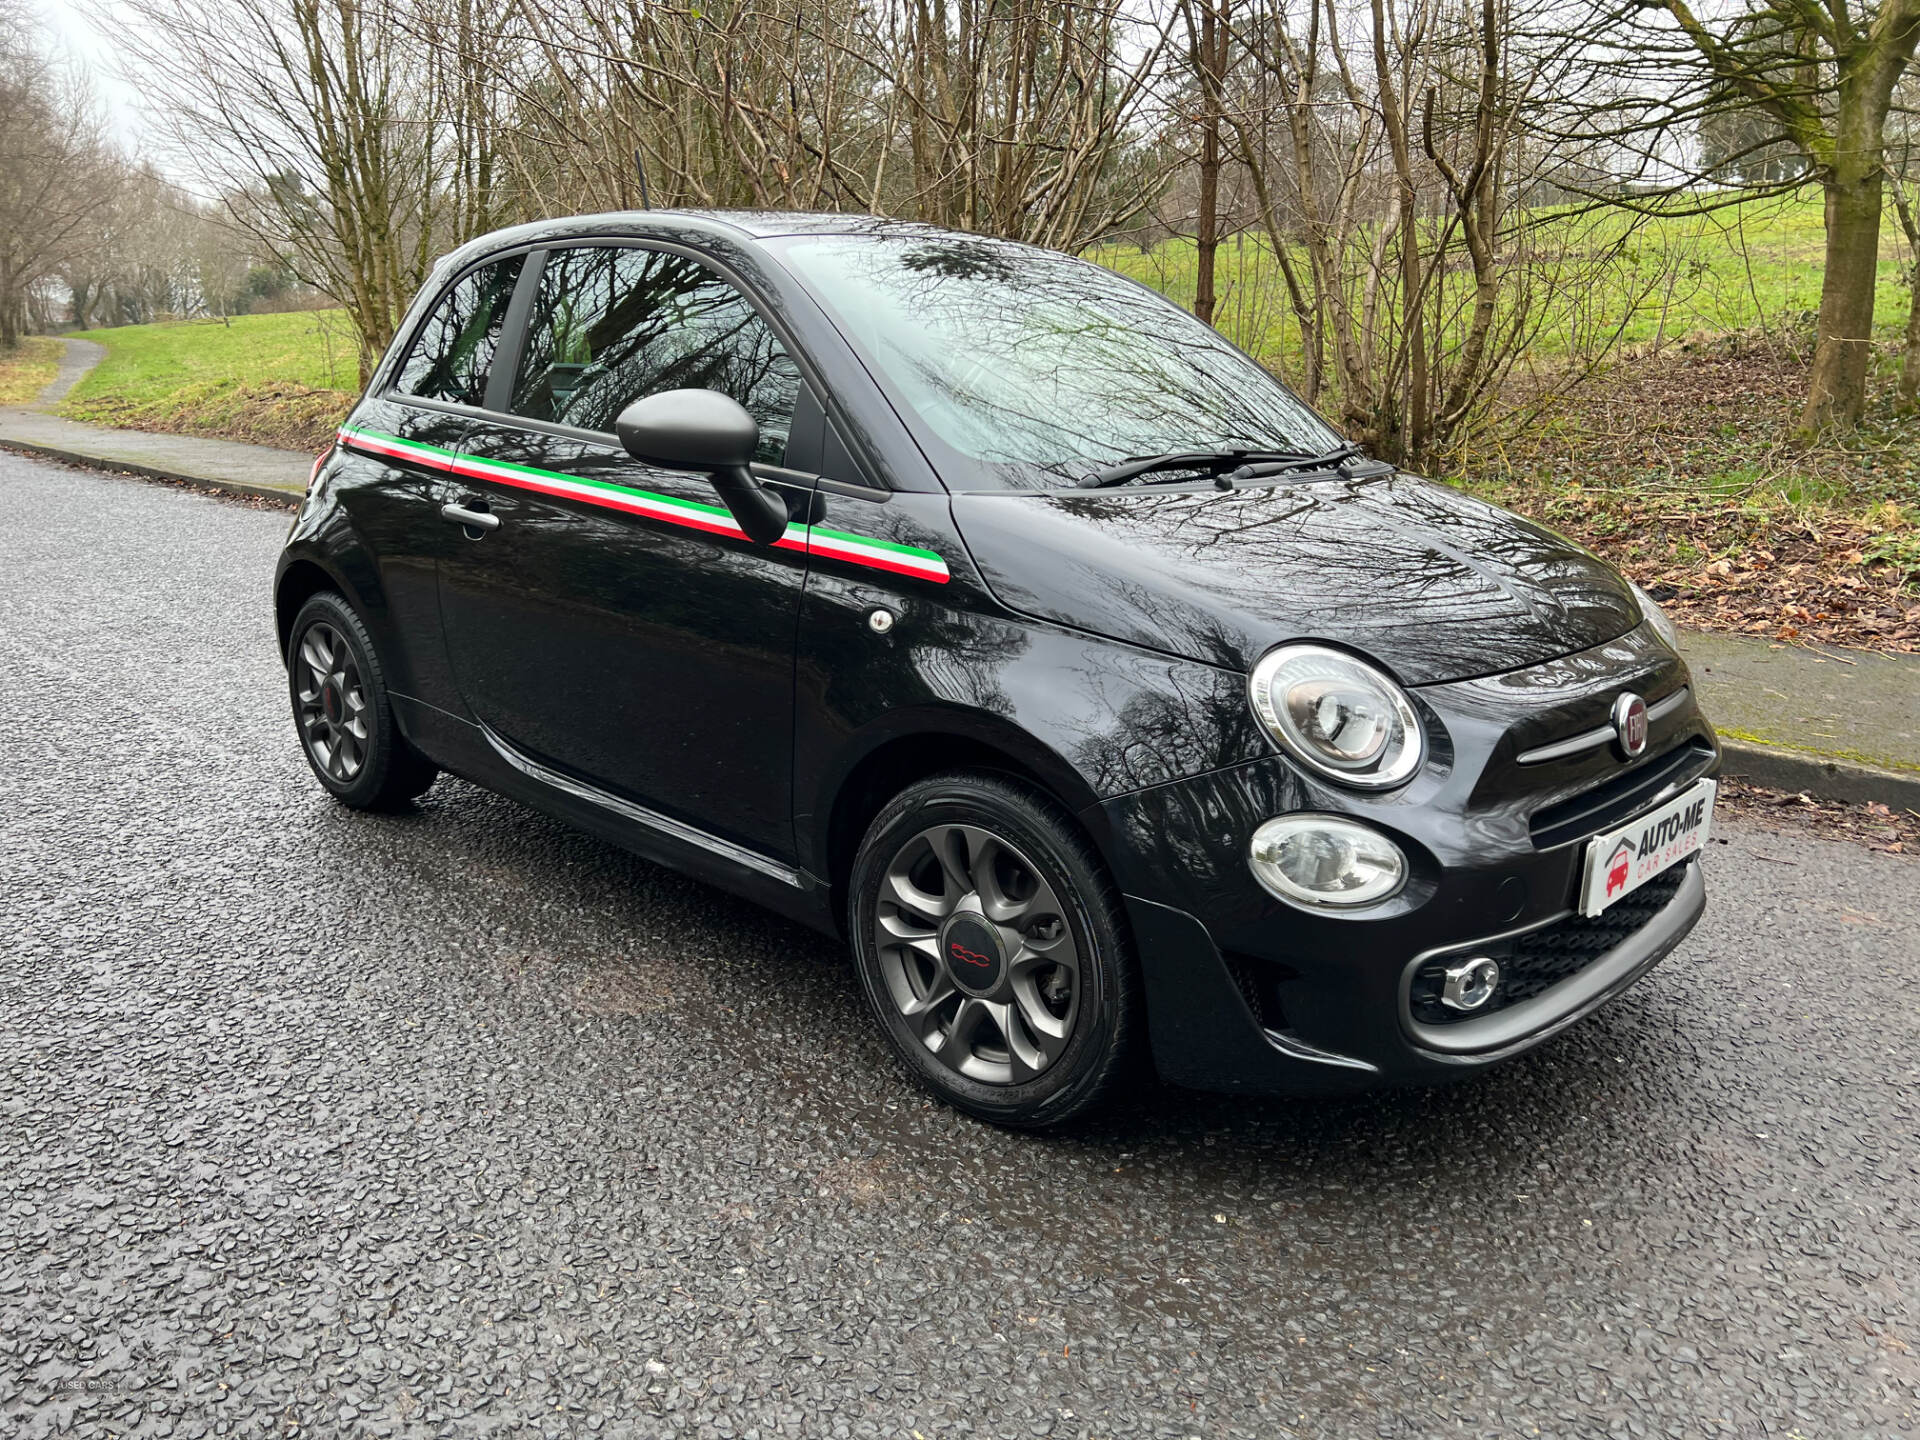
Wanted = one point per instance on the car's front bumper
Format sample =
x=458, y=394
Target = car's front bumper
x=1247, y=992
x=1210, y=1030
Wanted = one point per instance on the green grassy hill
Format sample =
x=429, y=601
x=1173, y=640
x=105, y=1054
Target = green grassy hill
x=274, y=379
x=1749, y=266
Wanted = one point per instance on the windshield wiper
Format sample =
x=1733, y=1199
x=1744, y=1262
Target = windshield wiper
x=1268, y=462
x=1328, y=460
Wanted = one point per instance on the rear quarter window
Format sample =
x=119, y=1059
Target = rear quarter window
x=452, y=356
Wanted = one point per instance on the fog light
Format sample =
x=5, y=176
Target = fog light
x=1323, y=861
x=1470, y=984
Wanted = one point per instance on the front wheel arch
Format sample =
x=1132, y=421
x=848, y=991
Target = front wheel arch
x=892, y=765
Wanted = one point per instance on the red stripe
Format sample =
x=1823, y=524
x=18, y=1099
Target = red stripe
x=397, y=452
x=614, y=501
x=878, y=564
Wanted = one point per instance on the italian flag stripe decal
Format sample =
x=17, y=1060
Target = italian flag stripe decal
x=713, y=519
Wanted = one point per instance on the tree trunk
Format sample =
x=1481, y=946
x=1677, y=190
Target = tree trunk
x=9, y=312
x=1206, y=229
x=1209, y=48
x=1837, y=389
x=1410, y=428
x=1910, y=359
x=1910, y=352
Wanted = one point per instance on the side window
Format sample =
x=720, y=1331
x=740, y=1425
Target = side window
x=455, y=347
x=611, y=325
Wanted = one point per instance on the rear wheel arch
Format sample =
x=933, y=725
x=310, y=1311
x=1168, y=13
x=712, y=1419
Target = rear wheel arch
x=299, y=583
x=347, y=570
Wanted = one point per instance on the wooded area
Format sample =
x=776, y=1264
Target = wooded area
x=1429, y=186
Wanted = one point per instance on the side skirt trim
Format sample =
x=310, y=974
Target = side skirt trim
x=640, y=815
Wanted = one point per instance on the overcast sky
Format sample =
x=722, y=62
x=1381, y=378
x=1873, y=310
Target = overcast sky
x=85, y=42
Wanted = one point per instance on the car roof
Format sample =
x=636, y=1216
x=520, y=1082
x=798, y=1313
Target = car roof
x=693, y=226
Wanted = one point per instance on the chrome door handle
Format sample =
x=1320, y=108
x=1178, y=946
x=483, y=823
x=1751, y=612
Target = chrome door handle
x=474, y=519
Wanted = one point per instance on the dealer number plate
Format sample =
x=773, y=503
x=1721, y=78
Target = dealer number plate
x=1621, y=861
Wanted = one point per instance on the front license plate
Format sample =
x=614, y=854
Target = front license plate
x=1621, y=861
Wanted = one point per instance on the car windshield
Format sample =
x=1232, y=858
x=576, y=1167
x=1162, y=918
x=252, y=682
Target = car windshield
x=1038, y=368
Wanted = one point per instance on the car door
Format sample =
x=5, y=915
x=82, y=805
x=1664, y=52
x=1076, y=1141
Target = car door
x=404, y=430
x=611, y=622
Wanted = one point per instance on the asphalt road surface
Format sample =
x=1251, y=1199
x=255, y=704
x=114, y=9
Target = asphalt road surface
x=460, y=1123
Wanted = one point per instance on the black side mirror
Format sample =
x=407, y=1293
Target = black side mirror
x=706, y=431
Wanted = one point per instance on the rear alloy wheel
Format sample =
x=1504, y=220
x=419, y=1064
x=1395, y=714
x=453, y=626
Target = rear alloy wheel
x=332, y=699
x=991, y=945
x=342, y=712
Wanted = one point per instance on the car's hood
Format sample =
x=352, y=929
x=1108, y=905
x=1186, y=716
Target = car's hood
x=1433, y=584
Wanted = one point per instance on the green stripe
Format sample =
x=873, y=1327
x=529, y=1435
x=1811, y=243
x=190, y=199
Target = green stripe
x=629, y=490
x=878, y=544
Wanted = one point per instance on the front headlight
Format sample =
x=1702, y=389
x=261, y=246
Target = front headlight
x=1338, y=715
x=1651, y=612
x=1323, y=860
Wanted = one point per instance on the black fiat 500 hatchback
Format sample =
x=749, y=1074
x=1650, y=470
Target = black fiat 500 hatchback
x=979, y=605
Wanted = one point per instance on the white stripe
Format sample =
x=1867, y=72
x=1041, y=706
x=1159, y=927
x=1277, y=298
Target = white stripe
x=854, y=550
x=832, y=546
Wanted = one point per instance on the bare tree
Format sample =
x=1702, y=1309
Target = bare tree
x=1011, y=117
x=1819, y=77
x=346, y=148
x=728, y=104
x=1019, y=115
x=51, y=159
x=1383, y=144
x=153, y=251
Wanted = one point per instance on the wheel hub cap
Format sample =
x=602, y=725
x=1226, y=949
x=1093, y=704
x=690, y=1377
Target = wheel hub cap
x=977, y=954
x=976, y=959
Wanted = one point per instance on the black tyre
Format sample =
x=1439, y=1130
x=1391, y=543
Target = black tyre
x=993, y=948
x=343, y=715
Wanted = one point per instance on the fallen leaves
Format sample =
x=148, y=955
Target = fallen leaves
x=1680, y=470
x=1877, y=826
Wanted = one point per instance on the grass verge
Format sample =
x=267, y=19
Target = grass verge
x=284, y=380
x=1681, y=469
x=28, y=369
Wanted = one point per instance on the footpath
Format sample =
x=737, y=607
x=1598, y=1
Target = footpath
x=238, y=469
x=1837, y=724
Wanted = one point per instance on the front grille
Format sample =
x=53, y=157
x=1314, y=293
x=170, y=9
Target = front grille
x=1615, y=799
x=1534, y=963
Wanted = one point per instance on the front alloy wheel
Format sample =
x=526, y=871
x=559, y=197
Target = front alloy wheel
x=992, y=947
x=977, y=954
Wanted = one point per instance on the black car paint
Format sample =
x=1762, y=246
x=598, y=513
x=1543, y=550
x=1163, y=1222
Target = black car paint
x=1433, y=584
x=727, y=708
